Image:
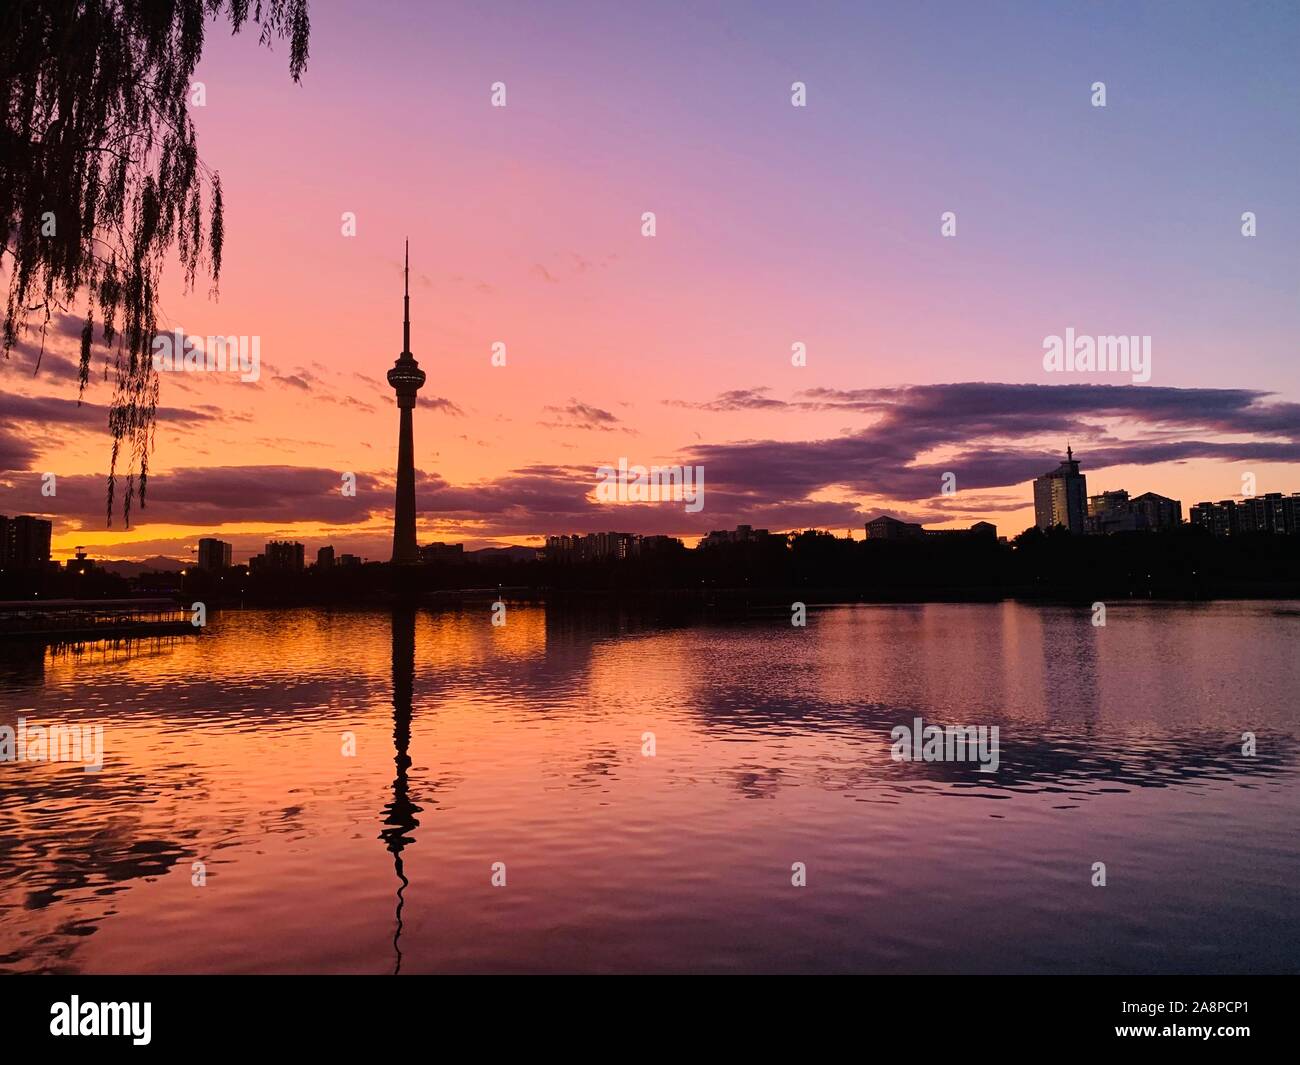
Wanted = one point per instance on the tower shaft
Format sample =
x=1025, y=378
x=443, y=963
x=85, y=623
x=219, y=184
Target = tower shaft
x=404, y=546
x=407, y=379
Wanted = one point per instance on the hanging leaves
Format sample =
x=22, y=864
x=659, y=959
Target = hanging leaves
x=100, y=178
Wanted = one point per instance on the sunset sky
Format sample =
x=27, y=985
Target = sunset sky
x=775, y=225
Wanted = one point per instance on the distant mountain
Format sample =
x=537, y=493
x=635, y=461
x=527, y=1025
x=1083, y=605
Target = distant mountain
x=154, y=564
x=492, y=555
x=162, y=564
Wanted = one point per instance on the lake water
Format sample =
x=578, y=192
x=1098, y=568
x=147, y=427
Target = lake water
x=525, y=745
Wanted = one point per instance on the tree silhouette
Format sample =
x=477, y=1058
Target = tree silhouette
x=100, y=177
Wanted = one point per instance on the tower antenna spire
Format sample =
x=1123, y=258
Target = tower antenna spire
x=406, y=300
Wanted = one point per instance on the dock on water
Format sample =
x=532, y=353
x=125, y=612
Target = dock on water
x=59, y=620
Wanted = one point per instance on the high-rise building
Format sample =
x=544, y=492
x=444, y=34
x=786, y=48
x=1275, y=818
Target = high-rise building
x=886, y=528
x=1291, y=513
x=742, y=534
x=1158, y=512
x=981, y=530
x=1060, y=497
x=284, y=555
x=598, y=547
x=24, y=542
x=1113, y=512
x=651, y=545
x=1270, y=513
x=407, y=379
x=1110, y=512
x=440, y=552
x=214, y=554
x=1219, y=519
x=325, y=557
x=1099, y=504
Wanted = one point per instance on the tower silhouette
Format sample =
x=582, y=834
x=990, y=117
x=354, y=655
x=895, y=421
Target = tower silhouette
x=407, y=379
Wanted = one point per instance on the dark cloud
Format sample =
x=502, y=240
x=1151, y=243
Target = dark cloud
x=981, y=423
x=40, y=412
x=22, y=362
x=52, y=409
x=294, y=380
x=441, y=404
x=16, y=452
x=975, y=404
x=738, y=399
x=210, y=497
x=579, y=415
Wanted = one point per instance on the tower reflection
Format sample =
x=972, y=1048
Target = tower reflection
x=400, y=819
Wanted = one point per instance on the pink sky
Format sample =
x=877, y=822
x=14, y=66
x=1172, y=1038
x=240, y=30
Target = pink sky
x=775, y=225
